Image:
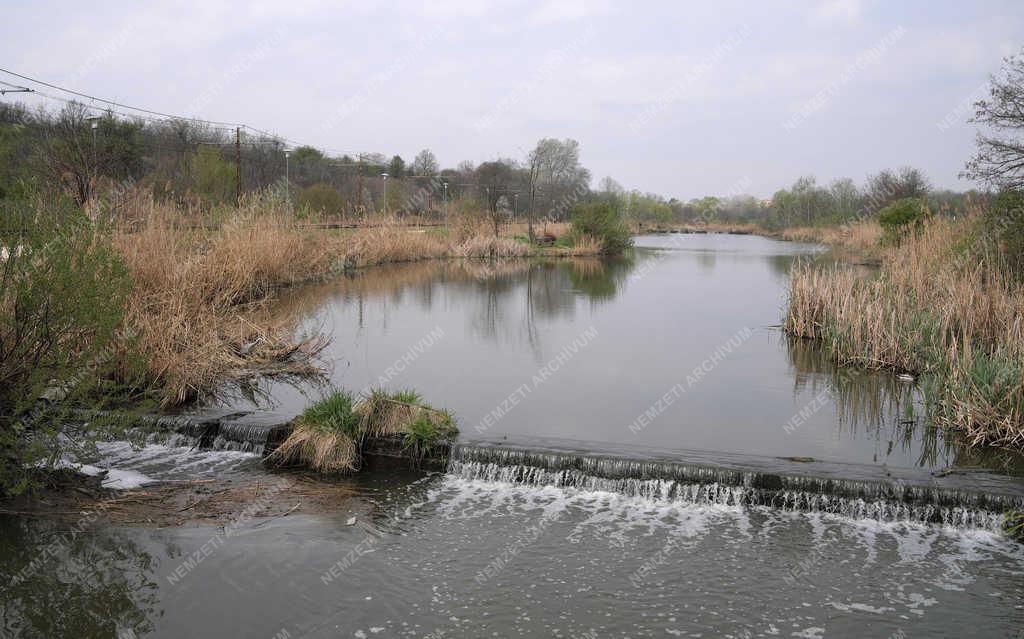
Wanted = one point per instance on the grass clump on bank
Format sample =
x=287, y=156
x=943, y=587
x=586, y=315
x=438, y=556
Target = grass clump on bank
x=325, y=437
x=404, y=414
x=1013, y=525
x=330, y=435
x=941, y=306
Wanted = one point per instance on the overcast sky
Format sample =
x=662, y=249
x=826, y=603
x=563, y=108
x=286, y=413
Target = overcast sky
x=679, y=98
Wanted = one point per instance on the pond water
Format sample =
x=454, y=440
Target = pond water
x=568, y=378
x=676, y=347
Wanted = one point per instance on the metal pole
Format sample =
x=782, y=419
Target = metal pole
x=287, y=180
x=359, y=192
x=238, y=166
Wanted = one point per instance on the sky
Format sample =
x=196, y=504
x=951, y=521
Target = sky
x=678, y=98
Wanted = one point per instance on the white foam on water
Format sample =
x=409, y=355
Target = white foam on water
x=115, y=478
x=165, y=461
x=128, y=467
x=125, y=479
x=615, y=516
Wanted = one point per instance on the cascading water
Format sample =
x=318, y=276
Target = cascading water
x=181, y=447
x=709, y=485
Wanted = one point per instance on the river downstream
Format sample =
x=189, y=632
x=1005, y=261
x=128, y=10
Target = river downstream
x=624, y=424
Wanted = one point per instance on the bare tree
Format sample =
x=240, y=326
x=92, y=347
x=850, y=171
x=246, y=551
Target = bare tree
x=424, y=163
x=1000, y=157
x=76, y=149
x=555, y=170
x=887, y=186
x=494, y=178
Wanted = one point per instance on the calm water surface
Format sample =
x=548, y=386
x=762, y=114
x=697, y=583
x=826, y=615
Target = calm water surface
x=584, y=350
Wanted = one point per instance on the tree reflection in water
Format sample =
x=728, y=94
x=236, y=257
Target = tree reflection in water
x=894, y=412
x=56, y=583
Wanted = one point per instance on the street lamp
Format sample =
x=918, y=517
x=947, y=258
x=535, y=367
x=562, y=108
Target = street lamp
x=385, y=176
x=287, y=179
x=445, y=206
x=93, y=125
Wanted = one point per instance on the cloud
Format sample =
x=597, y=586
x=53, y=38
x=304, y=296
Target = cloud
x=844, y=12
x=556, y=11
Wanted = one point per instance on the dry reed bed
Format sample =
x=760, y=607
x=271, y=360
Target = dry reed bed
x=862, y=236
x=195, y=293
x=938, y=307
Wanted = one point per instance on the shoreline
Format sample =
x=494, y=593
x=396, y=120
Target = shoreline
x=917, y=316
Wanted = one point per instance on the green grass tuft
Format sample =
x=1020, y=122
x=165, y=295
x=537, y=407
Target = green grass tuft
x=334, y=413
x=1013, y=525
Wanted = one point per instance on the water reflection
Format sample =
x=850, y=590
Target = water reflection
x=659, y=313
x=504, y=299
x=894, y=413
x=62, y=581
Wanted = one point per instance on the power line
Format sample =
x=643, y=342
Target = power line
x=117, y=104
x=15, y=88
x=164, y=116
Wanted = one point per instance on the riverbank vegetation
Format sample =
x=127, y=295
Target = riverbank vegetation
x=330, y=436
x=948, y=300
x=162, y=307
x=946, y=306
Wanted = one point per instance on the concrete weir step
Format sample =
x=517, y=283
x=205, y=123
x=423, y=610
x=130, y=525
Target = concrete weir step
x=255, y=431
x=259, y=431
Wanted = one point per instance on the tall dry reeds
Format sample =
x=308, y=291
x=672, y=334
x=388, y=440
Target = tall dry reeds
x=196, y=284
x=939, y=307
x=190, y=290
x=862, y=237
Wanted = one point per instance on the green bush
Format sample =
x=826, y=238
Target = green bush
x=63, y=291
x=319, y=198
x=602, y=221
x=901, y=217
x=213, y=176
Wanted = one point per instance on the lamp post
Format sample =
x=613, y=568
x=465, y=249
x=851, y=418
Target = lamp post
x=93, y=125
x=385, y=176
x=287, y=179
x=445, y=206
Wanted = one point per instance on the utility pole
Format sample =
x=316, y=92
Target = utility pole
x=238, y=166
x=287, y=180
x=359, y=182
x=446, y=207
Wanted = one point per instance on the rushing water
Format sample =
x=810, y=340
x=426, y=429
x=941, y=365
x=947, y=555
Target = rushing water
x=461, y=556
x=643, y=454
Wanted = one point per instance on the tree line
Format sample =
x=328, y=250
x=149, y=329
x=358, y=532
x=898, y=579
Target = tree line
x=199, y=165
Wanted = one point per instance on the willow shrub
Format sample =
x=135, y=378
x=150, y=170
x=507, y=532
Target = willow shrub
x=601, y=221
x=63, y=291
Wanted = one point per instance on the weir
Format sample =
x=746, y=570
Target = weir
x=978, y=500
x=256, y=432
